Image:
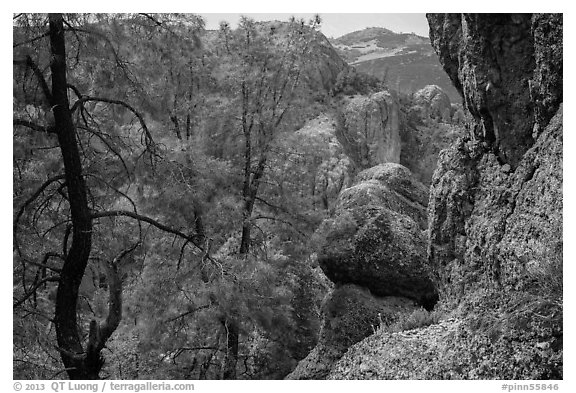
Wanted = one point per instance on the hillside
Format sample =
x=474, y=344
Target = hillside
x=406, y=60
x=193, y=204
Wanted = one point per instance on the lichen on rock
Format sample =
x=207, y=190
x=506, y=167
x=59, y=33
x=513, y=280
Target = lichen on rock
x=375, y=238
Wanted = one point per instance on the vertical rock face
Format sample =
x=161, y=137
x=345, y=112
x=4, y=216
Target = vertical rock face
x=494, y=202
x=489, y=225
x=508, y=67
x=369, y=130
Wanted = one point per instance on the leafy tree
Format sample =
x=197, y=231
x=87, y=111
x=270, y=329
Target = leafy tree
x=263, y=75
x=82, y=190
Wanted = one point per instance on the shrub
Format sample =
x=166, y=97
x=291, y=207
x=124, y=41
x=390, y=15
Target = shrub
x=417, y=319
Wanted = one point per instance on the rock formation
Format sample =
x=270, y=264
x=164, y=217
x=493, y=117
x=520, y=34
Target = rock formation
x=495, y=213
x=374, y=239
x=495, y=202
x=433, y=102
x=350, y=313
x=368, y=129
x=508, y=67
x=373, y=249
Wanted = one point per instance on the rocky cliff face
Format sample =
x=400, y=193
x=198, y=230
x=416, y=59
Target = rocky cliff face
x=496, y=199
x=494, y=215
x=508, y=67
x=495, y=247
x=368, y=129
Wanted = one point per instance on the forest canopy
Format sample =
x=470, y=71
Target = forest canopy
x=163, y=203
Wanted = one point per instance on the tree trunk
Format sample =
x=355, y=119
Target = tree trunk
x=68, y=336
x=174, y=120
x=188, y=127
x=231, y=357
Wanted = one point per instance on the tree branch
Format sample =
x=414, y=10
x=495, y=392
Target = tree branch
x=140, y=217
x=34, y=126
x=44, y=263
x=28, y=62
x=260, y=217
x=187, y=313
x=80, y=102
x=31, y=40
x=34, y=288
x=114, y=316
x=31, y=199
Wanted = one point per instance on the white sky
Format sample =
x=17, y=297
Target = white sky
x=336, y=24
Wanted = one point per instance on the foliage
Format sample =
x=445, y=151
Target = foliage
x=351, y=82
x=161, y=141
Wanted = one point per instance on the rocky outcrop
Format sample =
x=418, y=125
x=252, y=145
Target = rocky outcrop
x=321, y=74
x=494, y=214
x=495, y=202
x=434, y=103
x=374, y=239
x=350, y=313
x=368, y=129
x=422, y=144
x=497, y=249
x=508, y=67
x=487, y=223
x=373, y=249
x=321, y=167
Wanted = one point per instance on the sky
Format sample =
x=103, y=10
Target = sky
x=335, y=24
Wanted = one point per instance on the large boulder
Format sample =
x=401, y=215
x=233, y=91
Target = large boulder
x=375, y=238
x=433, y=102
x=350, y=313
x=373, y=249
x=368, y=129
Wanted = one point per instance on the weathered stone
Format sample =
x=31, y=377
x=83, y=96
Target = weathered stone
x=399, y=179
x=486, y=223
x=433, y=102
x=505, y=66
x=369, y=129
x=374, y=238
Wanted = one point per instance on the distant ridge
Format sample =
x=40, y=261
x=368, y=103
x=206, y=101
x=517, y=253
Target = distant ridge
x=406, y=60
